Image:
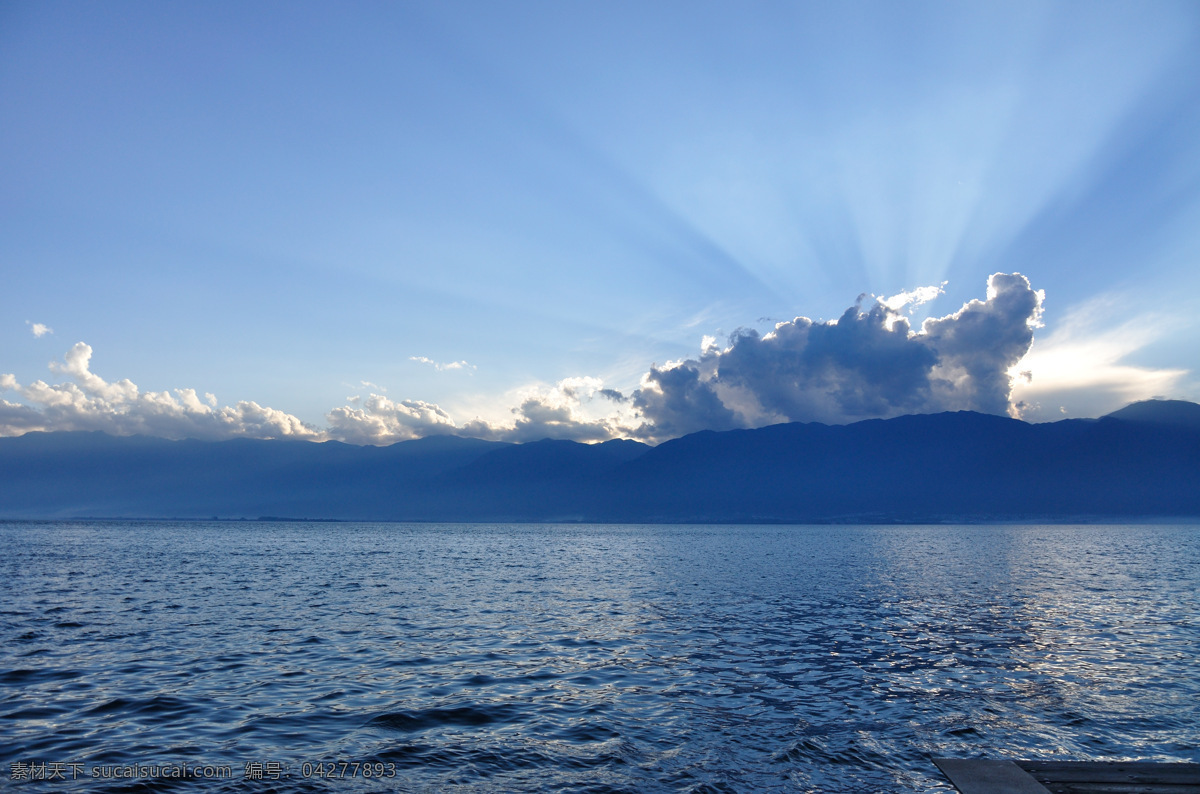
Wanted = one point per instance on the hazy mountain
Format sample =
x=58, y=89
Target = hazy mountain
x=1141, y=461
x=1163, y=412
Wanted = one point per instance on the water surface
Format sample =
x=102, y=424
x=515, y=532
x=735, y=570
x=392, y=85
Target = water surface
x=589, y=658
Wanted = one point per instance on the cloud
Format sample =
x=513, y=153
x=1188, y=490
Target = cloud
x=381, y=421
x=579, y=408
x=567, y=410
x=913, y=298
x=868, y=363
x=39, y=330
x=88, y=402
x=76, y=364
x=613, y=395
x=676, y=400
x=1081, y=368
x=979, y=344
x=442, y=367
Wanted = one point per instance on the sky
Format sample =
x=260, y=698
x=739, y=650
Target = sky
x=370, y=222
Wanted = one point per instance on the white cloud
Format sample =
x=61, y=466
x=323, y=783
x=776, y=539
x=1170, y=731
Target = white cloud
x=913, y=298
x=76, y=364
x=381, y=421
x=440, y=367
x=88, y=402
x=578, y=408
x=39, y=330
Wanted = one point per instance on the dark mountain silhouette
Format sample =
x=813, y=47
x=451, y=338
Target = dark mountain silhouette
x=1141, y=461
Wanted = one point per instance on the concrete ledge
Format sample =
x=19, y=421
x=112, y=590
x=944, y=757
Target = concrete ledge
x=977, y=776
x=973, y=776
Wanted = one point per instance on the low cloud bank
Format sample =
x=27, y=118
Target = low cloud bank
x=868, y=363
x=378, y=420
x=88, y=402
x=576, y=409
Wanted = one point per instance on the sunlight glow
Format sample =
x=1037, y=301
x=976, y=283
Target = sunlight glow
x=1084, y=358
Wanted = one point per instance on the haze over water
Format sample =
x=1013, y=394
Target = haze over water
x=597, y=658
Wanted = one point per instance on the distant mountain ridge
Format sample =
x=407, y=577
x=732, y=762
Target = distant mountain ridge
x=1140, y=461
x=1163, y=412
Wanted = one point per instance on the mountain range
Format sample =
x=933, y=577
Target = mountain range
x=1142, y=461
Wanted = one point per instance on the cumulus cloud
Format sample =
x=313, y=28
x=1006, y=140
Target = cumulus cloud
x=574, y=408
x=77, y=365
x=868, y=363
x=39, y=330
x=567, y=410
x=380, y=421
x=439, y=366
x=678, y=399
x=88, y=402
x=979, y=344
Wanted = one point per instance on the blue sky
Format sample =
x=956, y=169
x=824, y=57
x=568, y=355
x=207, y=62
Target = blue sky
x=501, y=219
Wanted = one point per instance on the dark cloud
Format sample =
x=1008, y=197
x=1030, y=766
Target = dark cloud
x=613, y=395
x=856, y=367
x=676, y=401
x=978, y=344
x=868, y=363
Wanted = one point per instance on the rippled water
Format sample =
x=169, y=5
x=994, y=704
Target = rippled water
x=589, y=658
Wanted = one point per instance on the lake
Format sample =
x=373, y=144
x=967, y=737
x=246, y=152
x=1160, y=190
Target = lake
x=259, y=656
